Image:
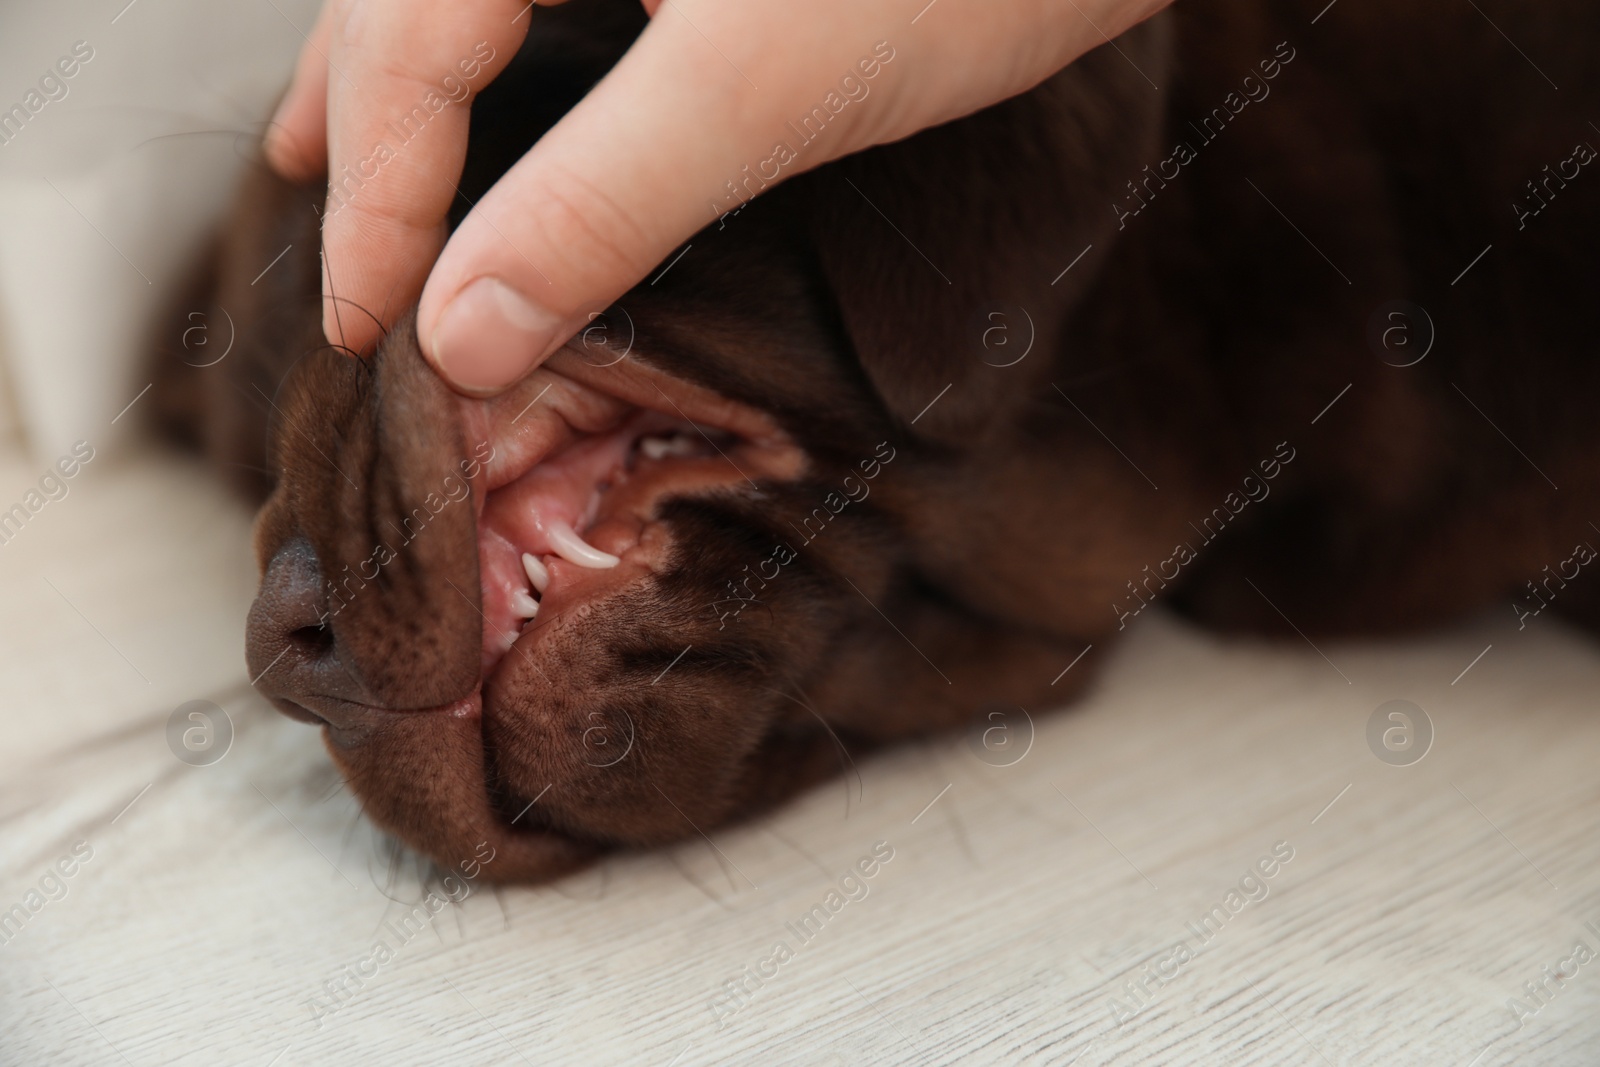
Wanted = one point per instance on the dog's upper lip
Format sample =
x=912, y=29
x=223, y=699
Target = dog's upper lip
x=569, y=396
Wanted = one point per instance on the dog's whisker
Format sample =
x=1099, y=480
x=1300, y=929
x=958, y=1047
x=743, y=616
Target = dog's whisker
x=188, y=133
x=392, y=876
x=844, y=751
x=722, y=862
x=802, y=852
x=958, y=828
x=327, y=270
x=376, y=321
x=677, y=861
x=498, y=891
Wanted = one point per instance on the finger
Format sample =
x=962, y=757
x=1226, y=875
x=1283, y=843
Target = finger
x=297, y=140
x=618, y=184
x=399, y=91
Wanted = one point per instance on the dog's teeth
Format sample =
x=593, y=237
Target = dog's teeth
x=523, y=604
x=536, y=571
x=569, y=546
x=660, y=447
x=656, y=447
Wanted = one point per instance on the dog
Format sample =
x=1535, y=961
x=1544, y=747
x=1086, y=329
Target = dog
x=1273, y=316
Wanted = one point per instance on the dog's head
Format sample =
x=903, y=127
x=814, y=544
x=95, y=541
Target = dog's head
x=583, y=611
x=735, y=527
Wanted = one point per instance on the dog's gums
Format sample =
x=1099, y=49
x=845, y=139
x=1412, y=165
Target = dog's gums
x=572, y=510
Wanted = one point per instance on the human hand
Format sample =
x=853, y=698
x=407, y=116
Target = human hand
x=711, y=101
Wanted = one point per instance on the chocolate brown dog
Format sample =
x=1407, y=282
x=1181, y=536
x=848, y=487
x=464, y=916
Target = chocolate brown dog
x=1243, y=315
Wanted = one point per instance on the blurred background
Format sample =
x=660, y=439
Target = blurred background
x=105, y=191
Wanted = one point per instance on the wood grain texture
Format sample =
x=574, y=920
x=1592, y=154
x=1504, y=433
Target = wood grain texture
x=1019, y=902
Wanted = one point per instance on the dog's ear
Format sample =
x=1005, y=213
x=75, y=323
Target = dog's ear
x=947, y=252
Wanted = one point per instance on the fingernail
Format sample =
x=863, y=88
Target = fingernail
x=489, y=336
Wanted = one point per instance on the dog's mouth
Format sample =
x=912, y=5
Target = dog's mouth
x=367, y=622
x=577, y=463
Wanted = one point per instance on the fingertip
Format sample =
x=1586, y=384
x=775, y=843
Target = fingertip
x=488, y=336
x=295, y=144
x=287, y=155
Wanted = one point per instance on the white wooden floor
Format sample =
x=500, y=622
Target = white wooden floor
x=1029, y=914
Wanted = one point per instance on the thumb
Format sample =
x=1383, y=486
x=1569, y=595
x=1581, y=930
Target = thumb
x=636, y=168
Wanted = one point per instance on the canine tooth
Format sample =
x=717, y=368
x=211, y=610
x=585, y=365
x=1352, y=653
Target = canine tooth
x=569, y=546
x=523, y=604
x=537, y=573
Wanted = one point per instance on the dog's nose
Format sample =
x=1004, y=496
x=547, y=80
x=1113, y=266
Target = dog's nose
x=290, y=646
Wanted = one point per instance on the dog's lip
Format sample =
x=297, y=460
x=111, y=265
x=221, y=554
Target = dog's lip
x=569, y=396
x=339, y=713
x=465, y=708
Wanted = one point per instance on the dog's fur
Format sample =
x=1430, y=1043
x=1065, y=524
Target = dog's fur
x=1019, y=518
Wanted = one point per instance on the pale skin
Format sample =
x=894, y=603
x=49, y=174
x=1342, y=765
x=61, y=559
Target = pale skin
x=628, y=175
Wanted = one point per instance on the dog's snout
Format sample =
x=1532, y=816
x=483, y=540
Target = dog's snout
x=291, y=647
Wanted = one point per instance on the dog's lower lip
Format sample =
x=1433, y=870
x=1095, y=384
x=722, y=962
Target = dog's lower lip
x=299, y=712
x=465, y=707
